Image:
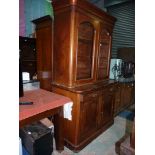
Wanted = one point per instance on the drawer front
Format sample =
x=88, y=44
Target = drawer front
x=90, y=96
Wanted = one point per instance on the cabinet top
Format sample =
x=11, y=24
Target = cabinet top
x=82, y=4
x=87, y=87
x=42, y=19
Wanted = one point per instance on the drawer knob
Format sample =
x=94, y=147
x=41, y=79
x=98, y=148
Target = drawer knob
x=111, y=89
x=94, y=95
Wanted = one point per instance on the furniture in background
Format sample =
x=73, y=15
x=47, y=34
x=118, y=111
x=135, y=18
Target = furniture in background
x=27, y=51
x=126, y=53
x=82, y=50
x=45, y=104
x=126, y=145
x=124, y=96
x=132, y=136
x=44, y=45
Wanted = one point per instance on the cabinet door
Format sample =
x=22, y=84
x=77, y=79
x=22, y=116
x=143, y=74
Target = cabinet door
x=126, y=94
x=88, y=116
x=86, y=34
x=104, y=54
x=117, y=105
x=107, y=103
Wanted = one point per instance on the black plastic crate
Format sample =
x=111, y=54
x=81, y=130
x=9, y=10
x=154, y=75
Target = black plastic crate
x=37, y=139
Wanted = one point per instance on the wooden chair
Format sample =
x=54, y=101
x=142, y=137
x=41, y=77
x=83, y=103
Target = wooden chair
x=126, y=145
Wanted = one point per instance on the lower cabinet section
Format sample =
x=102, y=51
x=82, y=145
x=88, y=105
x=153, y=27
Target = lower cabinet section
x=93, y=110
x=92, y=113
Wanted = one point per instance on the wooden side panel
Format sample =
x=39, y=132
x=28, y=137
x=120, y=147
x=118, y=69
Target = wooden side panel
x=44, y=43
x=61, y=61
x=70, y=127
x=44, y=57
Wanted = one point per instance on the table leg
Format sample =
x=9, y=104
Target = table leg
x=58, y=130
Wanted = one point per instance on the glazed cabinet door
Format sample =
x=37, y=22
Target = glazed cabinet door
x=106, y=109
x=85, y=52
x=103, y=54
x=88, y=115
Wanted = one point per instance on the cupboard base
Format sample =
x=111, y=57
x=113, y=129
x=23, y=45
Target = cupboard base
x=76, y=148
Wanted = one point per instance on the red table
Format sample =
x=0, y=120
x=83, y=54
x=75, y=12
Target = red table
x=45, y=104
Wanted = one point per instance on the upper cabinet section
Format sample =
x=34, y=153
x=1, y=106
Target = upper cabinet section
x=82, y=43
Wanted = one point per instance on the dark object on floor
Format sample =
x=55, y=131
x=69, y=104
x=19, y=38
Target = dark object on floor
x=132, y=136
x=123, y=147
x=24, y=151
x=126, y=145
x=127, y=115
x=37, y=139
